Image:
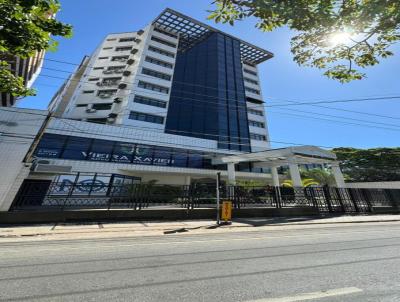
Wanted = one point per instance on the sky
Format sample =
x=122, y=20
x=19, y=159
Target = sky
x=282, y=80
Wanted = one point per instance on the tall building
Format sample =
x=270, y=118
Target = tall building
x=175, y=103
x=177, y=76
x=164, y=103
x=28, y=69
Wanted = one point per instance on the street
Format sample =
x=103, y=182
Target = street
x=358, y=262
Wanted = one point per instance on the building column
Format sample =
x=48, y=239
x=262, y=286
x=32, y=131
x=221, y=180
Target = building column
x=295, y=175
x=275, y=176
x=337, y=173
x=231, y=174
x=188, y=180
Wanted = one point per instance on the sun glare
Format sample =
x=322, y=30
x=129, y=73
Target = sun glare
x=340, y=38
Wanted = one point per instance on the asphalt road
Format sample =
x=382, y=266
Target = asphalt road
x=357, y=263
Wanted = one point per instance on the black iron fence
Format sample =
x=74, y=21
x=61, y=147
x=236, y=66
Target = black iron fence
x=35, y=195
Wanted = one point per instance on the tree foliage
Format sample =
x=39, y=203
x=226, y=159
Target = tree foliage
x=340, y=37
x=26, y=26
x=377, y=164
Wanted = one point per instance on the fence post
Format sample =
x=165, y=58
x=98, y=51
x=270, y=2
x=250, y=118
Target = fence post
x=327, y=198
x=277, y=197
x=338, y=193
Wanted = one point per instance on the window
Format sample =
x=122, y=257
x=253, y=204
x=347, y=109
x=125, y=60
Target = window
x=106, y=106
x=98, y=68
x=258, y=137
x=100, y=150
x=250, y=81
x=111, y=39
x=88, y=91
x=248, y=89
x=123, y=48
x=127, y=39
x=97, y=120
x=103, y=58
x=145, y=117
x=155, y=39
x=123, y=152
x=250, y=72
x=110, y=81
x=153, y=87
x=255, y=112
x=113, y=68
x=149, y=101
x=50, y=145
x=105, y=94
x=165, y=33
x=106, y=48
x=161, y=51
x=81, y=105
x=156, y=74
x=94, y=79
x=120, y=58
x=256, y=124
x=76, y=148
x=158, y=62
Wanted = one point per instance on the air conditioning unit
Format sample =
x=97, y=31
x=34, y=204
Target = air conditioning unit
x=122, y=86
x=50, y=166
x=112, y=115
x=107, y=71
x=140, y=32
x=133, y=51
x=117, y=100
x=130, y=61
x=126, y=73
x=90, y=110
x=99, y=84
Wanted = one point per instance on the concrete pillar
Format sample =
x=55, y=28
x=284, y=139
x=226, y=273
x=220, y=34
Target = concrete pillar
x=337, y=173
x=187, y=180
x=275, y=177
x=295, y=175
x=231, y=174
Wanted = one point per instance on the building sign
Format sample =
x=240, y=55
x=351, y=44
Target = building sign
x=82, y=148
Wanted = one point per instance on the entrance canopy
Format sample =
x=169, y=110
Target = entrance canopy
x=291, y=156
x=283, y=156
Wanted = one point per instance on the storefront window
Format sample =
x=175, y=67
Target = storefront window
x=76, y=148
x=143, y=155
x=100, y=150
x=123, y=152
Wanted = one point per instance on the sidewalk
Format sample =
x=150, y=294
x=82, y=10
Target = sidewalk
x=97, y=230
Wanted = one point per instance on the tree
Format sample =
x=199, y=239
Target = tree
x=340, y=37
x=321, y=176
x=26, y=27
x=377, y=164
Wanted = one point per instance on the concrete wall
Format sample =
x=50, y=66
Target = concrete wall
x=18, y=128
x=375, y=185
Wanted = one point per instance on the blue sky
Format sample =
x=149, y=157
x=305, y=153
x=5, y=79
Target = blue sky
x=281, y=78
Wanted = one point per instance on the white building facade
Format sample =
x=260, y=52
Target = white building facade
x=169, y=103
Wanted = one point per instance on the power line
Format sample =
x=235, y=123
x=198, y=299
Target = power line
x=236, y=106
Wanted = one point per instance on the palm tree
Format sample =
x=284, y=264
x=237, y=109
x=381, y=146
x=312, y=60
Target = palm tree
x=321, y=176
x=314, y=177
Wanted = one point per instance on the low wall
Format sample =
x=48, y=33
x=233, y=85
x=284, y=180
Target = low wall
x=374, y=185
x=164, y=214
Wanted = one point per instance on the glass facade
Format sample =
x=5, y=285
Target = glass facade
x=82, y=148
x=207, y=95
x=89, y=149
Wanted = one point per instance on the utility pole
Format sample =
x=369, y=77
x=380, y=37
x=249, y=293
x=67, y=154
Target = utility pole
x=218, y=184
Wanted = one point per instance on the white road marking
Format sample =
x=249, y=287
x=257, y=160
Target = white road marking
x=314, y=295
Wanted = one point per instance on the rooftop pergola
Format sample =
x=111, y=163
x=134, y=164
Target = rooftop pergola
x=291, y=156
x=192, y=31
